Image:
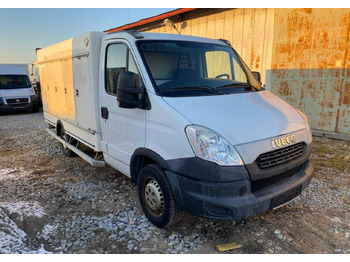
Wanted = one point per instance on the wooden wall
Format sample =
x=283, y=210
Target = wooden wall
x=311, y=64
x=250, y=32
x=302, y=54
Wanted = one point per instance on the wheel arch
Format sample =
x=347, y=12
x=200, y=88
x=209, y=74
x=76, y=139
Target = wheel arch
x=143, y=157
x=59, y=126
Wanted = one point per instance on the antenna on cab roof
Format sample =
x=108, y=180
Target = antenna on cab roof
x=168, y=22
x=225, y=41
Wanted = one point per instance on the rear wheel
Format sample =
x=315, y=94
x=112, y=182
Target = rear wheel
x=66, y=151
x=156, y=197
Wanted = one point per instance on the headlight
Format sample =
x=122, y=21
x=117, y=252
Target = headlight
x=32, y=91
x=307, y=124
x=210, y=146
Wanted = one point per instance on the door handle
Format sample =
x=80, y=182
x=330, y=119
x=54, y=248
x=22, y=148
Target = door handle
x=104, y=112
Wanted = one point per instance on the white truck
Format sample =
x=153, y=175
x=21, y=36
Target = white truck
x=34, y=79
x=16, y=90
x=182, y=116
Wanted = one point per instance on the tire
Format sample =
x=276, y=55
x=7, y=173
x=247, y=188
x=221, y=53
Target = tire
x=156, y=197
x=66, y=151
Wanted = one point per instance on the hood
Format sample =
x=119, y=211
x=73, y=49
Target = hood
x=240, y=118
x=16, y=92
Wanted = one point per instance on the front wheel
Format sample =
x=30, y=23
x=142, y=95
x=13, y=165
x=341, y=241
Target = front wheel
x=156, y=197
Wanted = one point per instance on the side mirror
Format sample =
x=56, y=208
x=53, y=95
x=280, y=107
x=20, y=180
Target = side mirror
x=257, y=76
x=129, y=94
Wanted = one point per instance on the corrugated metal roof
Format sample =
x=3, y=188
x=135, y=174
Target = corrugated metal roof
x=150, y=19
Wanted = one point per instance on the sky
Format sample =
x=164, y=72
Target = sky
x=38, y=24
x=22, y=30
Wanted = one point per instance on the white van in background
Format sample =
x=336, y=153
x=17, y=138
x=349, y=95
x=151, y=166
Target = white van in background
x=16, y=90
x=182, y=116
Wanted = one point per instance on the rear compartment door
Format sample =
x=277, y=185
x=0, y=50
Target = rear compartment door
x=123, y=130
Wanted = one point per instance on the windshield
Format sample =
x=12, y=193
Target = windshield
x=14, y=81
x=180, y=68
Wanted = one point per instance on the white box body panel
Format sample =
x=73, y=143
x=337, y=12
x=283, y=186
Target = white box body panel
x=69, y=73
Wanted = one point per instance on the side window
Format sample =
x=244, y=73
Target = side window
x=218, y=63
x=119, y=59
x=239, y=75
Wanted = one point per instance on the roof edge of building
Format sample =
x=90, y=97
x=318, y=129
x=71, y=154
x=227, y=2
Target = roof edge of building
x=150, y=19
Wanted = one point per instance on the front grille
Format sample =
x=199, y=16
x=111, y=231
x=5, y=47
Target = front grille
x=280, y=156
x=17, y=100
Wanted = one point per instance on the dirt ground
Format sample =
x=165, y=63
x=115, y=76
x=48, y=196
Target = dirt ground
x=33, y=170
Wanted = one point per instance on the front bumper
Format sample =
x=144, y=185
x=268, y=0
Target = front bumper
x=20, y=106
x=235, y=200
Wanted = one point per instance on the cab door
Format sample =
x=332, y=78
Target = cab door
x=123, y=130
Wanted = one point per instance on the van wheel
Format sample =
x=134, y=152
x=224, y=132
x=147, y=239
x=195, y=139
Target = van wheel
x=156, y=197
x=66, y=151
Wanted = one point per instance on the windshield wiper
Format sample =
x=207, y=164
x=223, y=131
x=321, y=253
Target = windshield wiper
x=238, y=84
x=207, y=89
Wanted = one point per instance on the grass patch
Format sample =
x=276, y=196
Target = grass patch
x=320, y=150
x=98, y=231
x=339, y=164
x=330, y=153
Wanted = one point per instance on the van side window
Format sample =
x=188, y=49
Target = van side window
x=218, y=65
x=119, y=59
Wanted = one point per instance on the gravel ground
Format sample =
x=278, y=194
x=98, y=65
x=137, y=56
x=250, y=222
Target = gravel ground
x=53, y=204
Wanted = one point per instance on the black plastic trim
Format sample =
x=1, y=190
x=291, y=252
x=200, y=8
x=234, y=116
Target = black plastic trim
x=257, y=174
x=137, y=158
x=234, y=200
x=19, y=107
x=104, y=112
x=197, y=168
